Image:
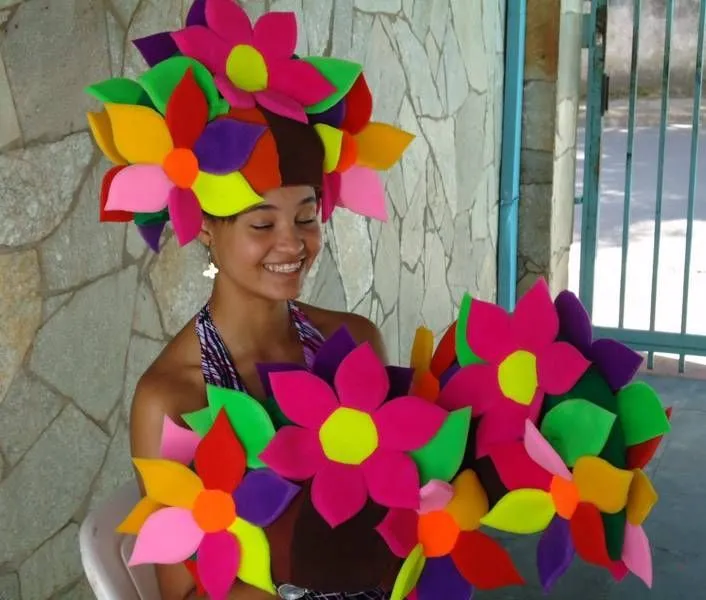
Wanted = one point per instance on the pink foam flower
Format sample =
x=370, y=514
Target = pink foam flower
x=254, y=65
x=351, y=441
x=520, y=360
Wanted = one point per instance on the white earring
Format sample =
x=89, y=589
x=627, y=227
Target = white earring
x=212, y=269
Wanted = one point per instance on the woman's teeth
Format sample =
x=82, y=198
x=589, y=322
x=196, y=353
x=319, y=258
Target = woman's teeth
x=284, y=267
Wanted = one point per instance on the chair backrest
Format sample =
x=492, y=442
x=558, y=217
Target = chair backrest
x=105, y=553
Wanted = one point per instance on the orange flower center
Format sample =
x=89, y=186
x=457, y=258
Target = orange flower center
x=214, y=510
x=438, y=533
x=565, y=495
x=182, y=167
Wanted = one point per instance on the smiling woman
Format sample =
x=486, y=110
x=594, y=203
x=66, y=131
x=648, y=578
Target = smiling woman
x=246, y=148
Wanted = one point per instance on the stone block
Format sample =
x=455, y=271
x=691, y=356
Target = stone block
x=38, y=185
x=178, y=283
x=71, y=37
x=387, y=267
x=9, y=125
x=354, y=256
x=49, y=484
x=379, y=6
x=328, y=291
x=21, y=310
x=141, y=354
x=81, y=350
x=54, y=565
x=146, y=320
x=25, y=413
x=117, y=468
x=82, y=248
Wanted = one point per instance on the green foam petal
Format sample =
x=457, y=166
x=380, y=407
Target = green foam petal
x=464, y=354
x=119, y=90
x=255, y=563
x=441, y=458
x=161, y=80
x=614, y=527
x=577, y=428
x=409, y=574
x=342, y=74
x=641, y=413
x=248, y=417
x=199, y=421
x=151, y=218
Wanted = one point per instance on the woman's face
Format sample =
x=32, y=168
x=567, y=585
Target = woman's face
x=269, y=249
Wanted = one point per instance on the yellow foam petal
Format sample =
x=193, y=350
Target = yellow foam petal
x=169, y=482
x=521, y=511
x=602, y=484
x=103, y=134
x=422, y=350
x=381, y=145
x=641, y=498
x=138, y=515
x=224, y=195
x=469, y=503
x=255, y=560
x=332, y=139
x=140, y=133
x=409, y=574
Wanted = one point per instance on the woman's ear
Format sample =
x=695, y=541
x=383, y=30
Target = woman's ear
x=206, y=235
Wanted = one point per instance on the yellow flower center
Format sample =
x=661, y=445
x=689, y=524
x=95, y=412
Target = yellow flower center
x=517, y=376
x=348, y=436
x=246, y=68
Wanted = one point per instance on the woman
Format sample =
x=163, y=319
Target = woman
x=248, y=170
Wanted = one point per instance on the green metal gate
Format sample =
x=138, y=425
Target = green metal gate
x=650, y=338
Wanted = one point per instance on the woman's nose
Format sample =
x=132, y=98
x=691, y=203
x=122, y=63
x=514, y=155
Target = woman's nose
x=290, y=240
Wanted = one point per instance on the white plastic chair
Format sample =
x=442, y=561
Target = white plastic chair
x=105, y=553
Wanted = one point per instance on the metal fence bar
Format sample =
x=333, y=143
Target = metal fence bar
x=515, y=35
x=592, y=163
x=695, y=130
x=655, y=341
x=636, y=18
x=660, y=167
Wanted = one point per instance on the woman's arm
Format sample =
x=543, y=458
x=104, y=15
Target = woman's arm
x=155, y=397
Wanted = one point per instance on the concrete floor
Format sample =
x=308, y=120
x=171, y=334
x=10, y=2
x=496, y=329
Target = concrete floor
x=676, y=527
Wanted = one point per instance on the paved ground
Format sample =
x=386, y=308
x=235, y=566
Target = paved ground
x=676, y=528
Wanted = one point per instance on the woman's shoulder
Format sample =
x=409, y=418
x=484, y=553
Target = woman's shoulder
x=361, y=328
x=173, y=383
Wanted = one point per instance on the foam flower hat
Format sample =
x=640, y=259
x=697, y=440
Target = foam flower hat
x=215, y=511
x=349, y=439
x=255, y=64
x=568, y=506
x=509, y=363
x=445, y=554
x=177, y=160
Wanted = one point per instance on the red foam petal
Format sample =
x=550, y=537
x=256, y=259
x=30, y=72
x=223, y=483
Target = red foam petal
x=445, y=353
x=483, y=562
x=112, y=216
x=220, y=457
x=359, y=107
x=588, y=535
x=187, y=112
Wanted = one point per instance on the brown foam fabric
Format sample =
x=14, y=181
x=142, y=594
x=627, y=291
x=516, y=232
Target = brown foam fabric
x=308, y=553
x=300, y=150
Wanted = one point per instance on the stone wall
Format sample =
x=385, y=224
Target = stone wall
x=84, y=307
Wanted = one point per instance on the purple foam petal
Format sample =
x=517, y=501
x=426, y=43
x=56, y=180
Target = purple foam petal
x=448, y=374
x=555, y=552
x=331, y=354
x=264, y=370
x=441, y=579
x=156, y=48
x=151, y=234
x=226, y=145
x=263, y=496
x=616, y=362
x=574, y=322
x=334, y=116
x=197, y=14
x=400, y=381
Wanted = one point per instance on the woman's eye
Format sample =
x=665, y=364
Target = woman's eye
x=262, y=226
x=306, y=221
